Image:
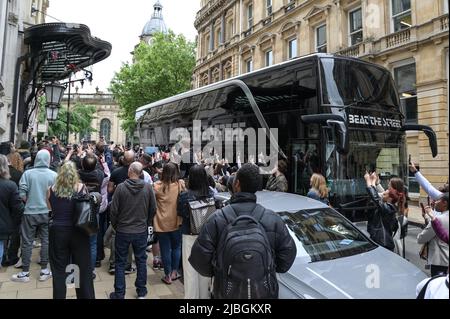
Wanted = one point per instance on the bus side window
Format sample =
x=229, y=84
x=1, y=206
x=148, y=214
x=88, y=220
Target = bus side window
x=307, y=88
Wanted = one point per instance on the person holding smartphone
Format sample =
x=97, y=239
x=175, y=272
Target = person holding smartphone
x=437, y=249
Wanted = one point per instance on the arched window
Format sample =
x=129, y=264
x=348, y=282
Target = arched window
x=105, y=129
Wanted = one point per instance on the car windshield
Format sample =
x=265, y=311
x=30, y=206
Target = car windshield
x=324, y=234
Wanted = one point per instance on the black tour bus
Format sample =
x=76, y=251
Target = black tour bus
x=335, y=115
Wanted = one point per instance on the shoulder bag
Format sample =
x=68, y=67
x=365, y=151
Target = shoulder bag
x=85, y=211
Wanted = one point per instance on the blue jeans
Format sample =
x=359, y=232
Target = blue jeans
x=93, y=248
x=170, y=245
x=2, y=243
x=139, y=244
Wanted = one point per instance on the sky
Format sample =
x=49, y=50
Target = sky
x=120, y=23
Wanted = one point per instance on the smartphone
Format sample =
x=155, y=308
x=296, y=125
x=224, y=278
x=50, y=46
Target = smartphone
x=409, y=159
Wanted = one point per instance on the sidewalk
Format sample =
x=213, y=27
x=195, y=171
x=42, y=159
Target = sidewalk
x=103, y=284
x=415, y=216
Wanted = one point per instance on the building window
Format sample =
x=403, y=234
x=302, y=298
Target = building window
x=405, y=78
x=401, y=14
x=230, y=30
x=249, y=65
x=292, y=48
x=269, y=7
x=269, y=57
x=321, y=38
x=105, y=129
x=355, y=26
x=218, y=38
x=250, y=15
x=445, y=6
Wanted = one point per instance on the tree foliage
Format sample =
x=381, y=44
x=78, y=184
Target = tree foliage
x=81, y=117
x=161, y=69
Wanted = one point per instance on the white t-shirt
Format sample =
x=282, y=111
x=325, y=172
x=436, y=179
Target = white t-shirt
x=147, y=178
x=437, y=288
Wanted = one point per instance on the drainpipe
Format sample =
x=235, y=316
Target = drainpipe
x=240, y=36
x=15, y=104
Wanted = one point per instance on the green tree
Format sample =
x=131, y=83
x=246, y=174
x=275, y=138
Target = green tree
x=161, y=69
x=81, y=117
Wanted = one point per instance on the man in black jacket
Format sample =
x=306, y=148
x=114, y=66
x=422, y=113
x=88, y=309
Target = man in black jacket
x=132, y=206
x=243, y=202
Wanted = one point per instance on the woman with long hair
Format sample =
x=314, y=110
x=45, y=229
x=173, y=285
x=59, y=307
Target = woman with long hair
x=319, y=189
x=68, y=244
x=383, y=224
x=11, y=206
x=166, y=222
x=195, y=285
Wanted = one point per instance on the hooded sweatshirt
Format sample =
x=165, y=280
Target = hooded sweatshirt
x=34, y=184
x=132, y=206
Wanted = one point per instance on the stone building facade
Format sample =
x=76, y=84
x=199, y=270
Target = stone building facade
x=15, y=17
x=106, y=120
x=408, y=37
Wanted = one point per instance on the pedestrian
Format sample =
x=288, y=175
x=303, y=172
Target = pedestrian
x=382, y=224
x=11, y=206
x=319, y=189
x=426, y=185
x=132, y=207
x=433, y=288
x=166, y=222
x=92, y=177
x=24, y=150
x=237, y=270
x=437, y=249
x=196, y=286
x=11, y=256
x=118, y=176
x=68, y=244
x=277, y=181
x=15, y=159
x=33, y=188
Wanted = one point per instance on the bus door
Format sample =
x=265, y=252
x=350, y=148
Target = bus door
x=304, y=158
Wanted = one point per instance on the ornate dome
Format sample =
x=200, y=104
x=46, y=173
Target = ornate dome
x=156, y=23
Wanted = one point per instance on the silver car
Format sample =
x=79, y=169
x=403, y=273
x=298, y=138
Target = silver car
x=334, y=258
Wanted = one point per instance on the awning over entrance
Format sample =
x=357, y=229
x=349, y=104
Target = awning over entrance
x=57, y=49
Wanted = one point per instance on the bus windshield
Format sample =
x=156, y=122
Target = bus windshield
x=345, y=82
x=383, y=152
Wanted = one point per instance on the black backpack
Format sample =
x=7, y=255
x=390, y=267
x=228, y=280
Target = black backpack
x=244, y=264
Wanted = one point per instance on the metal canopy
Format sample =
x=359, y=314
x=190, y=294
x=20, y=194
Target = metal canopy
x=58, y=49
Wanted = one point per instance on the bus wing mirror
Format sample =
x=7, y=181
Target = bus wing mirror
x=428, y=132
x=341, y=135
x=338, y=126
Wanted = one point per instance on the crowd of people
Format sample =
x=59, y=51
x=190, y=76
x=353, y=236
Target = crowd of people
x=136, y=189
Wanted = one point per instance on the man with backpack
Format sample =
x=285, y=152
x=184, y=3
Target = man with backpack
x=243, y=245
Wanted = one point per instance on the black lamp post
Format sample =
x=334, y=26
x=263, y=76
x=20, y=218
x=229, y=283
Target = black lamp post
x=53, y=94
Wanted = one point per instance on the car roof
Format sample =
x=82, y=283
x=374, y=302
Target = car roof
x=282, y=202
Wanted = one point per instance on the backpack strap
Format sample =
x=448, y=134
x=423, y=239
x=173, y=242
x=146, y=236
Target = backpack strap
x=228, y=210
x=422, y=292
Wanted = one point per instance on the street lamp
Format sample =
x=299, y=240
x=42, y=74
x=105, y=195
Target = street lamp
x=53, y=94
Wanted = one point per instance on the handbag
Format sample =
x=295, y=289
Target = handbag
x=200, y=210
x=86, y=207
x=423, y=253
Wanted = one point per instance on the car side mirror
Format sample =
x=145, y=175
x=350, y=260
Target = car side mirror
x=432, y=140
